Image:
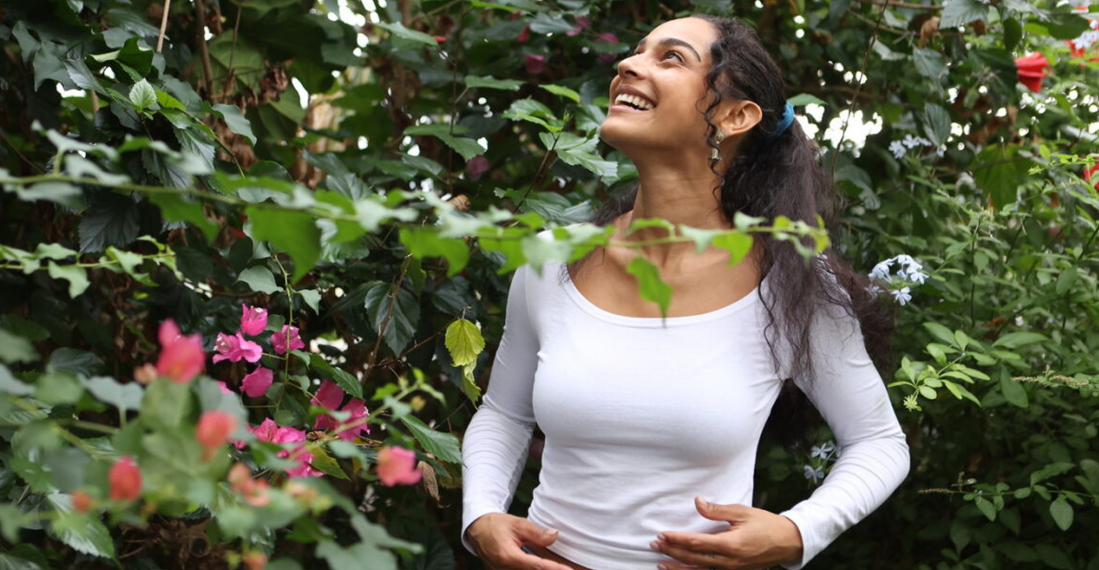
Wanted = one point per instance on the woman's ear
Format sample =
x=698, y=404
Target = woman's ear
x=738, y=117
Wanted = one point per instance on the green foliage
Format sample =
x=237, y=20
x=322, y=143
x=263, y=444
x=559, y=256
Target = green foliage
x=380, y=216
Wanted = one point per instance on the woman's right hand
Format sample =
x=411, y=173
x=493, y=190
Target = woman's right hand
x=499, y=540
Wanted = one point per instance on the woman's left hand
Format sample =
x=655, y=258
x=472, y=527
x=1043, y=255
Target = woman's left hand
x=756, y=539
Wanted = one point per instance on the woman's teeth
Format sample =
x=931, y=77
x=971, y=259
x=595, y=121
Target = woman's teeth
x=633, y=101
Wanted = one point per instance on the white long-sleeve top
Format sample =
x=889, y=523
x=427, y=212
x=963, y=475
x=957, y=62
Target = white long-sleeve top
x=641, y=415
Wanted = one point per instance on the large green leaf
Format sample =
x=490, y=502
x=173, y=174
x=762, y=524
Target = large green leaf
x=652, y=287
x=398, y=318
x=959, y=12
x=443, y=446
x=296, y=233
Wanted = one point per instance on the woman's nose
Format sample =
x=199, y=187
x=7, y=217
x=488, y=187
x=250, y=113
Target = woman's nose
x=629, y=67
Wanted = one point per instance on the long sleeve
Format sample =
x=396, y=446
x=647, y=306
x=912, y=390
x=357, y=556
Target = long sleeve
x=498, y=436
x=874, y=459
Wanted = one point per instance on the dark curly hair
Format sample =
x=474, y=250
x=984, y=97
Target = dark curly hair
x=779, y=176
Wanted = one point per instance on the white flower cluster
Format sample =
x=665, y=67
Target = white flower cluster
x=900, y=147
x=1086, y=39
x=909, y=272
x=823, y=454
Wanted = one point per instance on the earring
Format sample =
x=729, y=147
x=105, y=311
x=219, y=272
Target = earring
x=715, y=153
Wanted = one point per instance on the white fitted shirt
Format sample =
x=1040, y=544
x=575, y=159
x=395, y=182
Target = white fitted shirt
x=641, y=415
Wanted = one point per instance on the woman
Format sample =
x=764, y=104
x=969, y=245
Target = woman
x=699, y=108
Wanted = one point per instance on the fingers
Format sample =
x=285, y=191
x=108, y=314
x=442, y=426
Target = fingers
x=698, y=550
x=729, y=513
x=536, y=534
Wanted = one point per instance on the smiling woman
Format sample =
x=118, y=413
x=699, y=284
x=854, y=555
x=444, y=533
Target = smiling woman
x=652, y=423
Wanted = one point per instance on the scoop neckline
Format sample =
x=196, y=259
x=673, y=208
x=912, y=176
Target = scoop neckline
x=598, y=312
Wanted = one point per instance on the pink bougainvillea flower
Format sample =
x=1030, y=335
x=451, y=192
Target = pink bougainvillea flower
x=270, y=432
x=265, y=431
x=329, y=396
x=252, y=319
x=257, y=382
x=1032, y=69
x=124, y=479
x=254, y=491
x=535, y=64
x=278, y=340
x=236, y=348
x=477, y=166
x=397, y=466
x=181, y=357
x=358, y=411
x=581, y=23
x=213, y=431
x=225, y=389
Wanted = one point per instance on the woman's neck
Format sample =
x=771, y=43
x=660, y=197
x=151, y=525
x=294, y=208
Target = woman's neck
x=681, y=196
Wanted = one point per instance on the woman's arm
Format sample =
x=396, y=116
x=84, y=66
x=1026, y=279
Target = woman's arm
x=852, y=398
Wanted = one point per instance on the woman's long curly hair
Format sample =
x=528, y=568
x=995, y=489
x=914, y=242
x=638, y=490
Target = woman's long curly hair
x=779, y=176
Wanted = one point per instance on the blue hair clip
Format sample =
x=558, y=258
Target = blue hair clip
x=785, y=122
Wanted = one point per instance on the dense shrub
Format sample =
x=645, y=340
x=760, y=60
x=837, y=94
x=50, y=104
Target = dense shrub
x=253, y=267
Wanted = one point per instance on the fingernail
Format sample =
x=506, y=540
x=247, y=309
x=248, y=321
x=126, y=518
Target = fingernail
x=661, y=536
x=654, y=545
x=661, y=566
x=702, y=501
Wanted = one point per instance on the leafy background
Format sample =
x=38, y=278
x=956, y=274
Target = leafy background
x=372, y=171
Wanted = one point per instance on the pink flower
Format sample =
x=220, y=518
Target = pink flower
x=278, y=340
x=257, y=383
x=235, y=348
x=252, y=319
x=225, y=388
x=581, y=23
x=213, y=431
x=477, y=166
x=270, y=432
x=397, y=466
x=523, y=35
x=329, y=396
x=181, y=357
x=535, y=63
x=265, y=431
x=124, y=479
x=1031, y=70
x=358, y=411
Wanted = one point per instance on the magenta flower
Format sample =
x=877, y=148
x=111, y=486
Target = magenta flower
x=358, y=411
x=225, y=388
x=304, y=458
x=252, y=319
x=329, y=396
x=397, y=466
x=477, y=166
x=535, y=63
x=608, y=38
x=265, y=431
x=257, y=382
x=278, y=340
x=236, y=348
x=181, y=357
x=581, y=23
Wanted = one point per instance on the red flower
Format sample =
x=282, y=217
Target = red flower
x=254, y=560
x=523, y=35
x=181, y=357
x=124, y=479
x=1091, y=174
x=213, y=431
x=252, y=319
x=82, y=502
x=535, y=63
x=397, y=466
x=257, y=383
x=1032, y=69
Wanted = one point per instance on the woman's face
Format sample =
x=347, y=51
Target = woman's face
x=656, y=99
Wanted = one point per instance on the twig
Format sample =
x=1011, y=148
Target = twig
x=896, y=4
x=858, y=87
x=163, y=26
x=207, y=71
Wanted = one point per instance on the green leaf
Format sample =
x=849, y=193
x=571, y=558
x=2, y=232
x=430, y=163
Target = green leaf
x=490, y=82
x=940, y=332
x=986, y=508
x=259, y=279
x=651, y=286
x=398, y=318
x=296, y=233
x=469, y=383
x=1065, y=280
x=959, y=12
x=177, y=208
x=464, y=341
x=534, y=112
x=82, y=532
x=74, y=360
x=1061, y=511
x=1017, y=339
x=125, y=397
x=112, y=219
x=736, y=243
x=936, y=122
x=324, y=462
x=14, y=348
x=399, y=31
x=75, y=275
x=312, y=298
x=468, y=148
x=143, y=96
x=803, y=99
x=428, y=243
x=999, y=172
x=563, y=92
x=9, y=384
x=165, y=404
x=443, y=446
x=61, y=193
x=236, y=121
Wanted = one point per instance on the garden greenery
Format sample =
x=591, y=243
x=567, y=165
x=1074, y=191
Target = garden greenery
x=254, y=256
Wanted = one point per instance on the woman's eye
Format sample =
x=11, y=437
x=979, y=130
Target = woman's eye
x=673, y=54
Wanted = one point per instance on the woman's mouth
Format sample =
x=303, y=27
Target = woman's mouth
x=633, y=102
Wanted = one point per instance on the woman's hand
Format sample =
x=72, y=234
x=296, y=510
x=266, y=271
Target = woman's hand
x=499, y=541
x=756, y=539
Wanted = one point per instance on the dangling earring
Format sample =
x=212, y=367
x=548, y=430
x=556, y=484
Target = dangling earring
x=715, y=152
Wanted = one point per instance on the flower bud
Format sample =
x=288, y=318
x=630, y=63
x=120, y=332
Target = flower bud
x=124, y=479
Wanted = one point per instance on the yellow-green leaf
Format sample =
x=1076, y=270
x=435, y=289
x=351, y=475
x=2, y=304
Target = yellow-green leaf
x=464, y=341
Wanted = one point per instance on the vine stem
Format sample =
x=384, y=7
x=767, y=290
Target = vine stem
x=163, y=26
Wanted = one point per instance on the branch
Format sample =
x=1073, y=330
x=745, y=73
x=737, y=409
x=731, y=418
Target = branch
x=895, y=4
x=163, y=26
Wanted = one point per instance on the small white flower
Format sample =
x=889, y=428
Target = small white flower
x=1086, y=39
x=903, y=296
x=881, y=270
x=897, y=148
x=913, y=142
x=917, y=277
x=814, y=473
x=822, y=451
x=873, y=290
